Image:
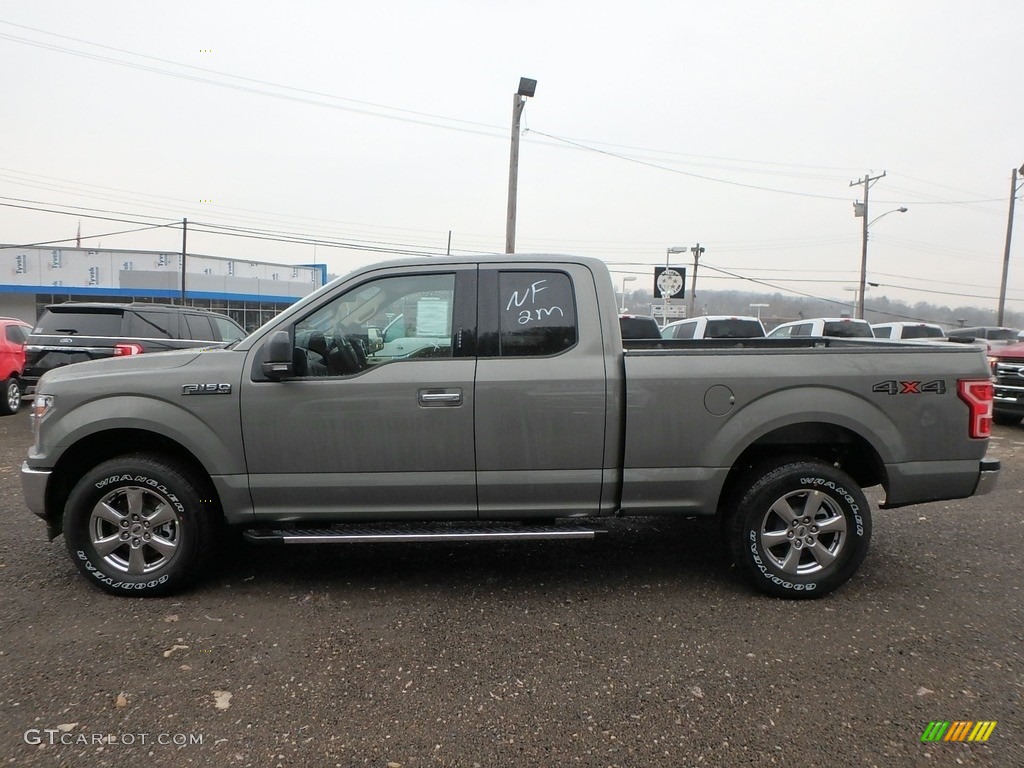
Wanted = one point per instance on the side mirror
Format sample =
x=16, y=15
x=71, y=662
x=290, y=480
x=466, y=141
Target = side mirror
x=374, y=340
x=277, y=356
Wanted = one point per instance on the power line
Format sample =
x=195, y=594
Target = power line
x=83, y=237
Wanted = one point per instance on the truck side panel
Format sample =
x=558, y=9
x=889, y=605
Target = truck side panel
x=690, y=414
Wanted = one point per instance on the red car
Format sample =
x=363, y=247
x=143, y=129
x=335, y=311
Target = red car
x=13, y=333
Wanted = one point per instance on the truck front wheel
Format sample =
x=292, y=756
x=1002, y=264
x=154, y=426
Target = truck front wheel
x=139, y=525
x=799, y=529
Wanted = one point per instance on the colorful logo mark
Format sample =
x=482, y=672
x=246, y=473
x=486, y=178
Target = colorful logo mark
x=958, y=730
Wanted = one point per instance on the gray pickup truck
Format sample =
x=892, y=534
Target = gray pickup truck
x=527, y=417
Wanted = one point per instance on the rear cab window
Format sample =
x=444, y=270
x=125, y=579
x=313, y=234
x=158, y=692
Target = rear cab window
x=733, y=328
x=847, y=329
x=921, y=332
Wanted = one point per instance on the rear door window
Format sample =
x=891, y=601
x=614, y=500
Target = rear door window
x=537, y=313
x=151, y=324
x=199, y=327
x=684, y=331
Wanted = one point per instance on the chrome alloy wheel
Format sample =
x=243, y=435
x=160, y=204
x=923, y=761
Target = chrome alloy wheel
x=13, y=395
x=803, y=532
x=135, y=530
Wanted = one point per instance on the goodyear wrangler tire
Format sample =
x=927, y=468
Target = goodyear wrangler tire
x=136, y=525
x=799, y=529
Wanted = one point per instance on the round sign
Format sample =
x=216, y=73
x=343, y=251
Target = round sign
x=670, y=282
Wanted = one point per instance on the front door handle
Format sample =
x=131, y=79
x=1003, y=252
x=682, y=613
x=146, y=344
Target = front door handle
x=448, y=397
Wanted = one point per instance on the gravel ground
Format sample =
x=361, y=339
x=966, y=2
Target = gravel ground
x=640, y=649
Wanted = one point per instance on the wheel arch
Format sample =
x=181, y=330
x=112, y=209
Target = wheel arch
x=827, y=442
x=98, y=447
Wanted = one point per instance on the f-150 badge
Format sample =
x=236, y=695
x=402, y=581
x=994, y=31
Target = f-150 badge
x=206, y=389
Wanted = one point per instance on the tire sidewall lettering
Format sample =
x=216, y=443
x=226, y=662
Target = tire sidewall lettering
x=755, y=555
x=110, y=582
x=156, y=485
x=843, y=495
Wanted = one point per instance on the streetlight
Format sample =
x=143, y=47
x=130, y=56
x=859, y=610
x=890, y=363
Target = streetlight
x=527, y=88
x=626, y=279
x=758, y=307
x=861, y=210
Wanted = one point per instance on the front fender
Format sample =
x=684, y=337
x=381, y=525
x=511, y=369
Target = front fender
x=209, y=429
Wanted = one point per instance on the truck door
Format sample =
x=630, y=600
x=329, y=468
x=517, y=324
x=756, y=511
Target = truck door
x=354, y=434
x=540, y=393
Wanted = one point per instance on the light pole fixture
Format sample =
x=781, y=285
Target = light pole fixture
x=625, y=279
x=527, y=88
x=759, y=307
x=1014, y=189
x=861, y=210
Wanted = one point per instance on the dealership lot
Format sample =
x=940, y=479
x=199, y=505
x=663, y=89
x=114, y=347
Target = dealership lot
x=642, y=648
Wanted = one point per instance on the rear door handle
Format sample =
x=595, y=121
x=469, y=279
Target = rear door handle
x=437, y=397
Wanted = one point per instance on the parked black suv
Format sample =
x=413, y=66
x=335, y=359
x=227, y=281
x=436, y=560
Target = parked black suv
x=77, y=331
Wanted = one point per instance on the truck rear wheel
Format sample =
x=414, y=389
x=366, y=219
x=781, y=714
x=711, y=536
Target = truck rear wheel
x=799, y=529
x=139, y=525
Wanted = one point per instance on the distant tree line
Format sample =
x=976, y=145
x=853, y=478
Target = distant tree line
x=783, y=308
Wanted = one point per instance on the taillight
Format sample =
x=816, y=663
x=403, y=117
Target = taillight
x=977, y=393
x=122, y=350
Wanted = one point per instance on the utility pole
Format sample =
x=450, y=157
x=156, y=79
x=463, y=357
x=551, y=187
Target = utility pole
x=866, y=181
x=696, y=251
x=1006, y=251
x=184, y=236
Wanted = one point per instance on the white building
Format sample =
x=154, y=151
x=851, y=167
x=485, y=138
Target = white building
x=251, y=292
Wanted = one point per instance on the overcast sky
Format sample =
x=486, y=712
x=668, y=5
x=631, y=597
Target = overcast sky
x=384, y=126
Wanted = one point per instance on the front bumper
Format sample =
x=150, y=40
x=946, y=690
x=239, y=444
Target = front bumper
x=33, y=486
